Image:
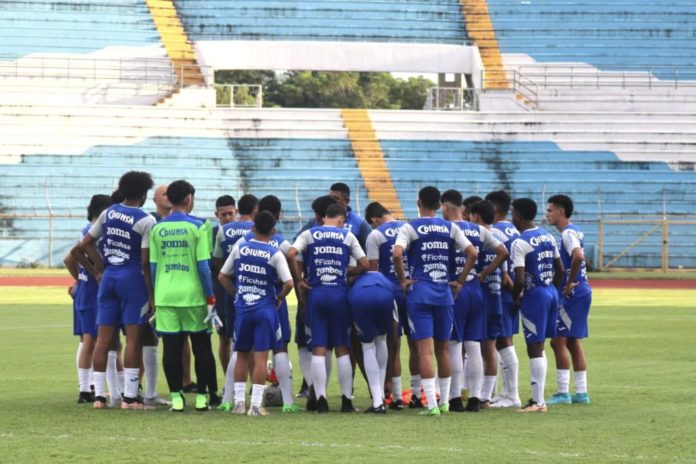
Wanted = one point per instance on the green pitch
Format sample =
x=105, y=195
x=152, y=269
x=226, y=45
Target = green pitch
x=641, y=378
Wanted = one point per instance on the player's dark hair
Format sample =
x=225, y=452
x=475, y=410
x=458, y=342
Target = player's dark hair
x=341, y=187
x=501, y=200
x=272, y=204
x=562, y=201
x=429, y=198
x=97, y=204
x=484, y=209
x=452, y=196
x=334, y=211
x=320, y=204
x=135, y=184
x=116, y=197
x=225, y=200
x=178, y=190
x=246, y=204
x=375, y=210
x=264, y=222
x=526, y=207
x=471, y=201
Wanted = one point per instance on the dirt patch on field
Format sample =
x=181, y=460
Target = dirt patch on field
x=35, y=281
x=644, y=284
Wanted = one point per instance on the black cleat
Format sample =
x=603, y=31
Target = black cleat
x=397, y=405
x=312, y=400
x=415, y=403
x=347, y=404
x=85, y=397
x=473, y=405
x=214, y=401
x=304, y=390
x=322, y=406
x=457, y=405
x=190, y=388
x=378, y=410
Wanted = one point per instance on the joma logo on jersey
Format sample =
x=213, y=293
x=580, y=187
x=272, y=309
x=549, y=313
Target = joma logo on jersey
x=536, y=241
x=128, y=219
x=322, y=250
x=391, y=232
x=321, y=235
x=434, y=246
x=426, y=229
x=254, y=269
x=118, y=232
x=248, y=251
x=232, y=233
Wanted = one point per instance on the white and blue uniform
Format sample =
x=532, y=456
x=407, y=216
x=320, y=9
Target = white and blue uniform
x=380, y=248
x=511, y=315
x=122, y=296
x=572, y=315
x=85, y=296
x=353, y=223
x=257, y=266
x=326, y=253
x=491, y=288
x=535, y=250
x=429, y=303
x=372, y=305
x=227, y=237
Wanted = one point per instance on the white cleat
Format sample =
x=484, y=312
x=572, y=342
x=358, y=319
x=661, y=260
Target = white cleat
x=157, y=401
x=505, y=402
x=239, y=408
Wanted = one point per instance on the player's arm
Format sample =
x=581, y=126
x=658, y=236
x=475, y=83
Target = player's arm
x=558, y=272
x=501, y=253
x=280, y=262
x=87, y=255
x=403, y=241
x=218, y=252
x=374, y=240
x=227, y=271
x=577, y=257
x=71, y=266
x=518, y=284
x=149, y=272
x=357, y=253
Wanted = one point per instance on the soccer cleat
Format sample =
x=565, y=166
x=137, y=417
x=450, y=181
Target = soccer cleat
x=215, y=400
x=291, y=408
x=85, y=397
x=559, y=398
x=201, y=402
x=156, y=401
x=473, y=404
x=381, y=409
x=505, y=402
x=581, y=398
x=190, y=388
x=99, y=403
x=533, y=407
x=415, y=403
x=347, y=404
x=430, y=412
x=444, y=408
x=304, y=390
x=132, y=405
x=322, y=406
x=225, y=407
x=178, y=402
x=484, y=404
x=257, y=411
x=456, y=404
x=311, y=400
x=239, y=408
x=396, y=405
x=497, y=399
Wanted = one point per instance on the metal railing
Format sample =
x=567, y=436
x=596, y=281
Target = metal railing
x=451, y=99
x=525, y=88
x=239, y=95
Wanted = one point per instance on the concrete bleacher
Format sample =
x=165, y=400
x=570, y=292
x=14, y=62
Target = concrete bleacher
x=424, y=21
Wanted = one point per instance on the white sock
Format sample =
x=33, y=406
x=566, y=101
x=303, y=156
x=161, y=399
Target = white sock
x=580, y=381
x=150, y=365
x=239, y=392
x=121, y=376
x=99, y=384
x=488, y=387
x=474, y=366
x=373, y=373
x=112, y=378
x=510, y=369
x=230, y=384
x=83, y=377
x=444, y=383
x=132, y=378
x=563, y=380
x=416, y=385
x=257, y=395
x=77, y=360
x=429, y=389
x=328, y=359
x=465, y=364
x=306, y=364
x=282, y=368
x=382, y=357
x=537, y=368
x=455, y=352
x=319, y=376
x=397, y=392
x=345, y=375
x=91, y=375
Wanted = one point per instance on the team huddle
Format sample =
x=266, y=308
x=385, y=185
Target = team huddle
x=458, y=287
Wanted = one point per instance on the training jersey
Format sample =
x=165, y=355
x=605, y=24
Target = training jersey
x=380, y=247
x=535, y=250
x=177, y=244
x=228, y=235
x=571, y=238
x=124, y=231
x=354, y=223
x=326, y=253
x=256, y=266
x=85, y=293
x=507, y=233
x=493, y=282
x=207, y=230
x=429, y=242
x=482, y=239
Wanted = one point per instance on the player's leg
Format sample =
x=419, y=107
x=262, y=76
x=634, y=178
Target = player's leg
x=578, y=311
x=281, y=361
x=204, y=362
x=474, y=333
x=172, y=344
x=189, y=385
x=339, y=323
x=243, y=344
x=490, y=369
x=87, y=322
x=229, y=389
x=105, y=335
x=562, y=356
x=394, y=367
x=442, y=331
x=151, y=367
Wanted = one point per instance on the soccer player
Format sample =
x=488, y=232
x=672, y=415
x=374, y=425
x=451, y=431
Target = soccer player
x=183, y=291
x=429, y=242
x=123, y=282
x=538, y=272
x=256, y=265
x=326, y=252
x=576, y=298
x=163, y=207
x=469, y=307
x=506, y=233
x=380, y=246
x=225, y=212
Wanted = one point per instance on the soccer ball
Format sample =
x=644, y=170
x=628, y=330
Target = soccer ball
x=272, y=396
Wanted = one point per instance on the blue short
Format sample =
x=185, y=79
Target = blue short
x=402, y=313
x=328, y=317
x=372, y=312
x=493, y=306
x=428, y=320
x=469, y=314
x=123, y=297
x=539, y=312
x=572, y=316
x=229, y=315
x=76, y=327
x=88, y=321
x=257, y=329
x=510, y=320
x=284, y=319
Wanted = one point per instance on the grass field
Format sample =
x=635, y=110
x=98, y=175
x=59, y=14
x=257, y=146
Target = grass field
x=642, y=376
